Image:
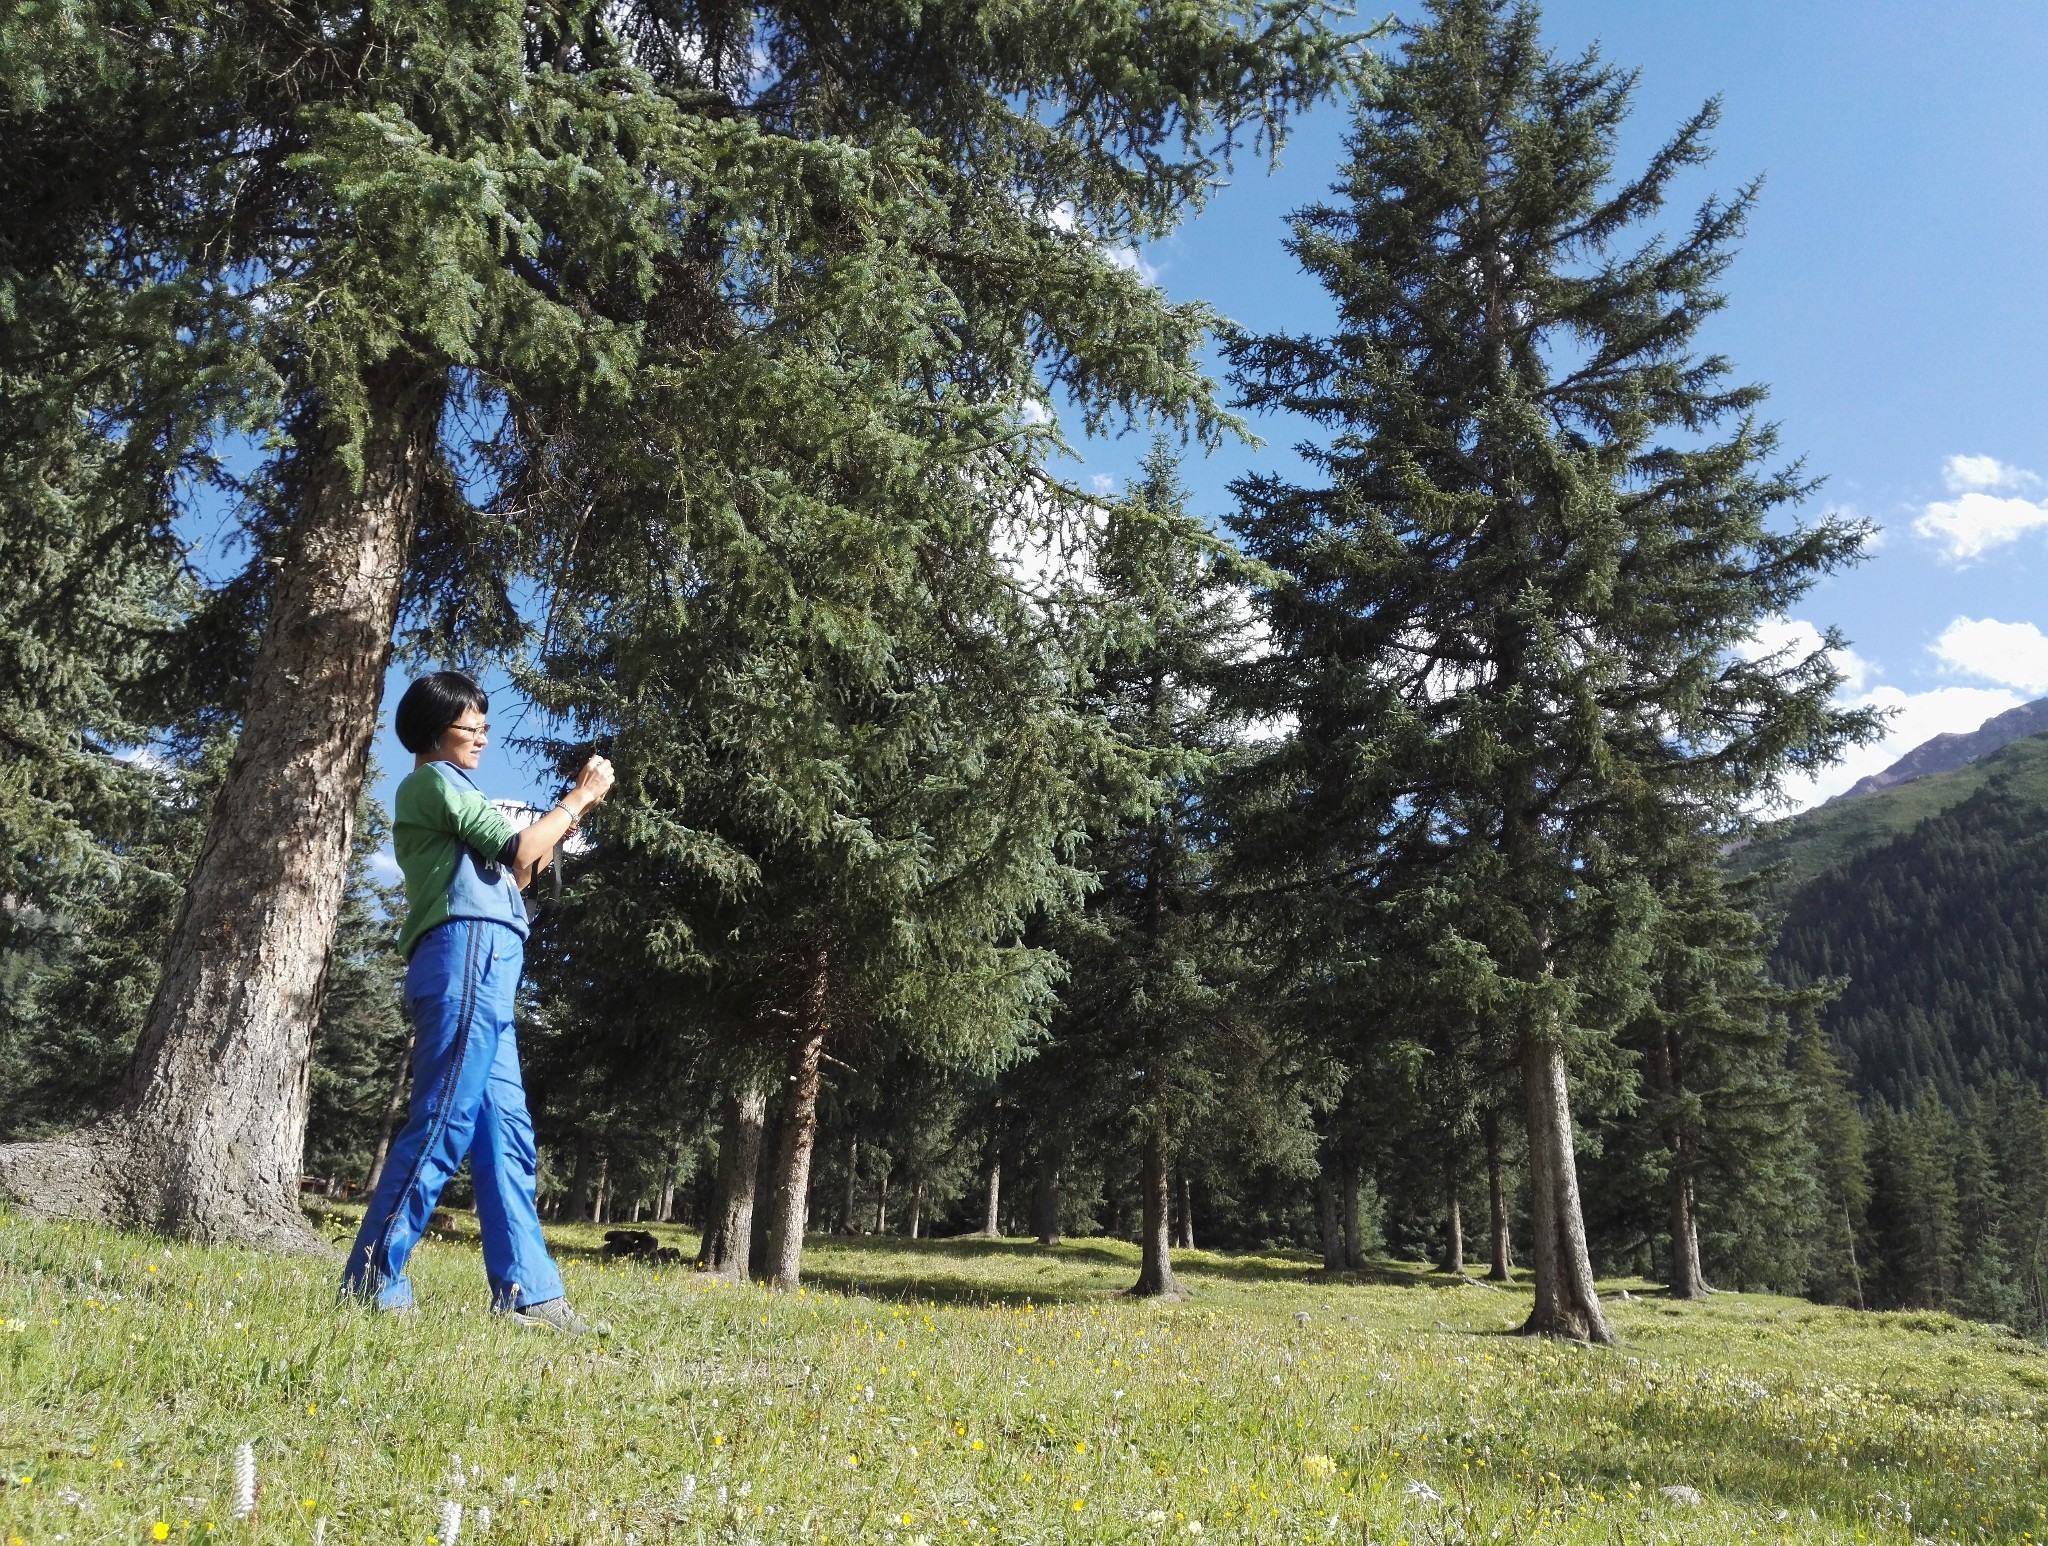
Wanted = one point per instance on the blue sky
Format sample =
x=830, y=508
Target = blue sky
x=1891, y=294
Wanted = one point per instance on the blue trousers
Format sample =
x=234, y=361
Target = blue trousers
x=467, y=1099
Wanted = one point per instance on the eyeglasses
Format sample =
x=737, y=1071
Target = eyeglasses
x=473, y=730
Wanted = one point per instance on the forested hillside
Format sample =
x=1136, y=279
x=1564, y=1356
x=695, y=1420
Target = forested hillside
x=1809, y=844
x=1940, y=931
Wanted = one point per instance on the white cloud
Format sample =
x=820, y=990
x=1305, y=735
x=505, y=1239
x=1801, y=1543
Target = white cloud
x=2010, y=654
x=1987, y=511
x=1974, y=524
x=1919, y=716
x=1794, y=639
x=385, y=864
x=1985, y=475
x=1102, y=483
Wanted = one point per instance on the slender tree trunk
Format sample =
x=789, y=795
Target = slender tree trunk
x=1687, y=1280
x=1454, y=1225
x=882, y=1205
x=1567, y=1302
x=1187, y=1212
x=1155, y=1261
x=992, y=1219
x=1326, y=1214
x=1855, y=1271
x=846, y=1220
x=583, y=1180
x=916, y=1209
x=1047, y=1205
x=728, y=1244
x=665, y=1209
x=1354, y=1233
x=603, y=1197
x=799, y=1130
x=1503, y=1268
x=208, y=1132
x=394, y=1113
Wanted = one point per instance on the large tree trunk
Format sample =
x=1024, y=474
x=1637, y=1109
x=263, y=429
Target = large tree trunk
x=1503, y=1268
x=1155, y=1259
x=1047, y=1203
x=992, y=1218
x=799, y=1131
x=394, y=1113
x=1687, y=1280
x=1567, y=1302
x=728, y=1244
x=1354, y=1229
x=1454, y=1225
x=208, y=1133
x=1326, y=1215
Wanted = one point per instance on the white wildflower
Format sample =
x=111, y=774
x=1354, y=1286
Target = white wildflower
x=1422, y=1490
x=451, y=1523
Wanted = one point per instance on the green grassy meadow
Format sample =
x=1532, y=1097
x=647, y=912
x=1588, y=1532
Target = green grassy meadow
x=970, y=1391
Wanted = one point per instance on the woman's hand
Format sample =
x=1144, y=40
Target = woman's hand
x=592, y=784
x=537, y=841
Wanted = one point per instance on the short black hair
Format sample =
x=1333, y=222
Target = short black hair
x=431, y=705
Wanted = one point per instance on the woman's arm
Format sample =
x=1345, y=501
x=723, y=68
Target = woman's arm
x=537, y=840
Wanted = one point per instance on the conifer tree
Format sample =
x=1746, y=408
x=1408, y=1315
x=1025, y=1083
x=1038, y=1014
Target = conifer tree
x=1545, y=528
x=413, y=245
x=1153, y=1017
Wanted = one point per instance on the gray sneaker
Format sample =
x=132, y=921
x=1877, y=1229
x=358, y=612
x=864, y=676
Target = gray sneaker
x=552, y=1315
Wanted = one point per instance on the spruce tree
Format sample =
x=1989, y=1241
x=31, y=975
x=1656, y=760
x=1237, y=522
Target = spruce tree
x=413, y=246
x=1545, y=527
x=1154, y=1018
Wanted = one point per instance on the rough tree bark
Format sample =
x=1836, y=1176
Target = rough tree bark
x=1047, y=1203
x=207, y=1135
x=1454, y=1225
x=1503, y=1267
x=729, y=1225
x=1326, y=1215
x=1155, y=1259
x=1354, y=1231
x=1687, y=1280
x=799, y=1129
x=992, y=1220
x=394, y=1113
x=1567, y=1302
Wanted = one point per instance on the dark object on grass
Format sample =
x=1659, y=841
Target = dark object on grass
x=636, y=1243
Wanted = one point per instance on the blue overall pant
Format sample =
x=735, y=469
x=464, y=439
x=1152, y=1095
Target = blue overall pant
x=467, y=1099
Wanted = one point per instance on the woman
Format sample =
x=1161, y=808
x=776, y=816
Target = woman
x=464, y=939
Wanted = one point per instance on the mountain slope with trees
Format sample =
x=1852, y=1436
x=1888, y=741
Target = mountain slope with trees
x=1811, y=843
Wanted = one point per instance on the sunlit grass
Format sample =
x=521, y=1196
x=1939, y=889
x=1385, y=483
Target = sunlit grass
x=956, y=1391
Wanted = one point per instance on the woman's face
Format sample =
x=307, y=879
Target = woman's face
x=463, y=742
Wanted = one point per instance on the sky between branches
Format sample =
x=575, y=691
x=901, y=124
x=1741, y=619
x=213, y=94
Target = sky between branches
x=1891, y=293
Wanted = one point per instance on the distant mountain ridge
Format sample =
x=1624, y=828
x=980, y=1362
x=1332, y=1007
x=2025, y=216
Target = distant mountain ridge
x=1945, y=753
